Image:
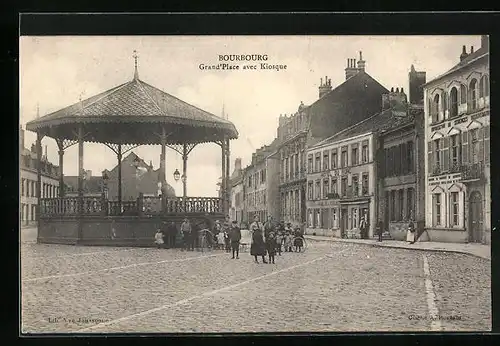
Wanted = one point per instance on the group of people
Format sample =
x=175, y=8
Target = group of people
x=269, y=238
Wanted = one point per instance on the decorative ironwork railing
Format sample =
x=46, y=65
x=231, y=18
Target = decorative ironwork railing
x=148, y=206
x=474, y=171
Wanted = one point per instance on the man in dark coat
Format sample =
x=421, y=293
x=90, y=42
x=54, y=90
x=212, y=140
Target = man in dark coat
x=235, y=237
x=380, y=229
x=258, y=247
x=186, y=230
x=171, y=234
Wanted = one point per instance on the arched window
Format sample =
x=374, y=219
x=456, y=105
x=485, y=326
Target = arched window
x=473, y=94
x=453, y=102
x=481, y=88
x=484, y=87
x=435, y=112
x=463, y=94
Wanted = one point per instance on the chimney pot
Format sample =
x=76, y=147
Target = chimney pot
x=402, y=92
x=471, y=49
x=360, y=56
x=397, y=90
x=392, y=89
x=464, y=50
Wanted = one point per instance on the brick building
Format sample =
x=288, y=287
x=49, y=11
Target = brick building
x=354, y=100
x=28, y=180
x=457, y=143
x=134, y=180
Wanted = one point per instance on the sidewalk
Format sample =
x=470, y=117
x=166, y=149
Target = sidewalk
x=477, y=250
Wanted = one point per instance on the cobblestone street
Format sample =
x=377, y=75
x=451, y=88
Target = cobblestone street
x=330, y=287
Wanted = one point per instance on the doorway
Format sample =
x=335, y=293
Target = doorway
x=475, y=217
x=343, y=222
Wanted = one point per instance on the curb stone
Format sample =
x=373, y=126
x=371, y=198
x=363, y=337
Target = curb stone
x=401, y=247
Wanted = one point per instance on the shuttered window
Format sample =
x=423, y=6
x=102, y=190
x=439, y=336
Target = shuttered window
x=487, y=144
x=465, y=148
x=446, y=156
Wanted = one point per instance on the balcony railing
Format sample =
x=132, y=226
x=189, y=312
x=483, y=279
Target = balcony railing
x=471, y=172
x=293, y=177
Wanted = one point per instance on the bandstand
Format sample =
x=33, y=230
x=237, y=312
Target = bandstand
x=122, y=118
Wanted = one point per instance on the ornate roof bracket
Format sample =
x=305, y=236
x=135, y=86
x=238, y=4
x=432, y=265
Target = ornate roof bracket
x=124, y=148
x=179, y=148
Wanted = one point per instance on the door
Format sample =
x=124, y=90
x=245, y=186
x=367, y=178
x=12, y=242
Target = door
x=343, y=221
x=475, y=217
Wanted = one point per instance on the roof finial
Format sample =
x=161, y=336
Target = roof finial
x=136, y=73
x=223, y=112
x=37, y=110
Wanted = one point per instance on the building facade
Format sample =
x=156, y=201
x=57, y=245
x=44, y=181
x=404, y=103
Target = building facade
x=261, y=179
x=457, y=143
x=28, y=181
x=341, y=180
x=336, y=109
x=237, y=202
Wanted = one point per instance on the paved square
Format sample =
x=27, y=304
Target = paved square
x=330, y=287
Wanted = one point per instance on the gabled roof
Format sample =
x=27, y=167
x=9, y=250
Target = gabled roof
x=354, y=100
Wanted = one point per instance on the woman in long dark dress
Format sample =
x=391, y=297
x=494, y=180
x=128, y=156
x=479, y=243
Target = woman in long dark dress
x=258, y=247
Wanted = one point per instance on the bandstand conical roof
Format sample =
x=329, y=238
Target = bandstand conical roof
x=134, y=113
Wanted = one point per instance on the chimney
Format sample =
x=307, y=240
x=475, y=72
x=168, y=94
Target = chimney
x=361, y=62
x=324, y=87
x=351, y=69
x=471, y=49
x=416, y=80
x=395, y=100
x=485, y=42
x=237, y=164
x=150, y=165
x=21, y=138
x=464, y=53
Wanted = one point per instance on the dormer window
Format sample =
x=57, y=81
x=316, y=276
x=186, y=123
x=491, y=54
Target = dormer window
x=473, y=94
x=453, y=102
x=435, y=111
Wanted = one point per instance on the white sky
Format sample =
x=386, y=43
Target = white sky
x=54, y=71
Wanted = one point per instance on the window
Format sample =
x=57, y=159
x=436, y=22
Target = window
x=474, y=146
x=486, y=86
x=263, y=176
x=287, y=171
x=334, y=186
x=454, y=208
x=355, y=185
x=296, y=169
x=473, y=95
x=22, y=186
x=487, y=144
x=334, y=218
x=354, y=156
x=410, y=157
x=310, y=218
x=410, y=206
x=343, y=158
x=343, y=186
x=250, y=181
x=317, y=163
x=453, y=102
x=400, y=206
x=310, y=192
x=317, y=190
x=334, y=158
x=326, y=160
x=364, y=152
x=364, y=183
x=326, y=187
x=463, y=94
x=310, y=163
x=437, y=155
x=435, y=111
x=455, y=153
x=436, y=212
x=318, y=218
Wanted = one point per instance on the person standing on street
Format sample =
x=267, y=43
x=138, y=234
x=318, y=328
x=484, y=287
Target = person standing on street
x=268, y=226
x=258, y=247
x=380, y=229
x=235, y=237
x=410, y=234
x=187, y=234
x=171, y=235
x=159, y=239
x=271, y=246
x=363, y=227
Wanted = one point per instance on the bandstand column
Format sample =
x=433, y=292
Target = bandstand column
x=228, y=186
x=61, y=171
x=119, y=156
x=38, y=175
x=223, y=176
x=80, y=169
x=163, y=165
x=184, y=171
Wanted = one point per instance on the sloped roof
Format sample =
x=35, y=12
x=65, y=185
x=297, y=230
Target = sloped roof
x=379, y=122
x=354, y=100
x=131, y=103
x=472, y=57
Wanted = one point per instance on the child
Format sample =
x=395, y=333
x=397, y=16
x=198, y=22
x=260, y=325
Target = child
x=271, y=246
x=279, y=241
x=159, y=238
x=299, y=240
x=288, y=242
x=227, y=241
x=220, y=240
